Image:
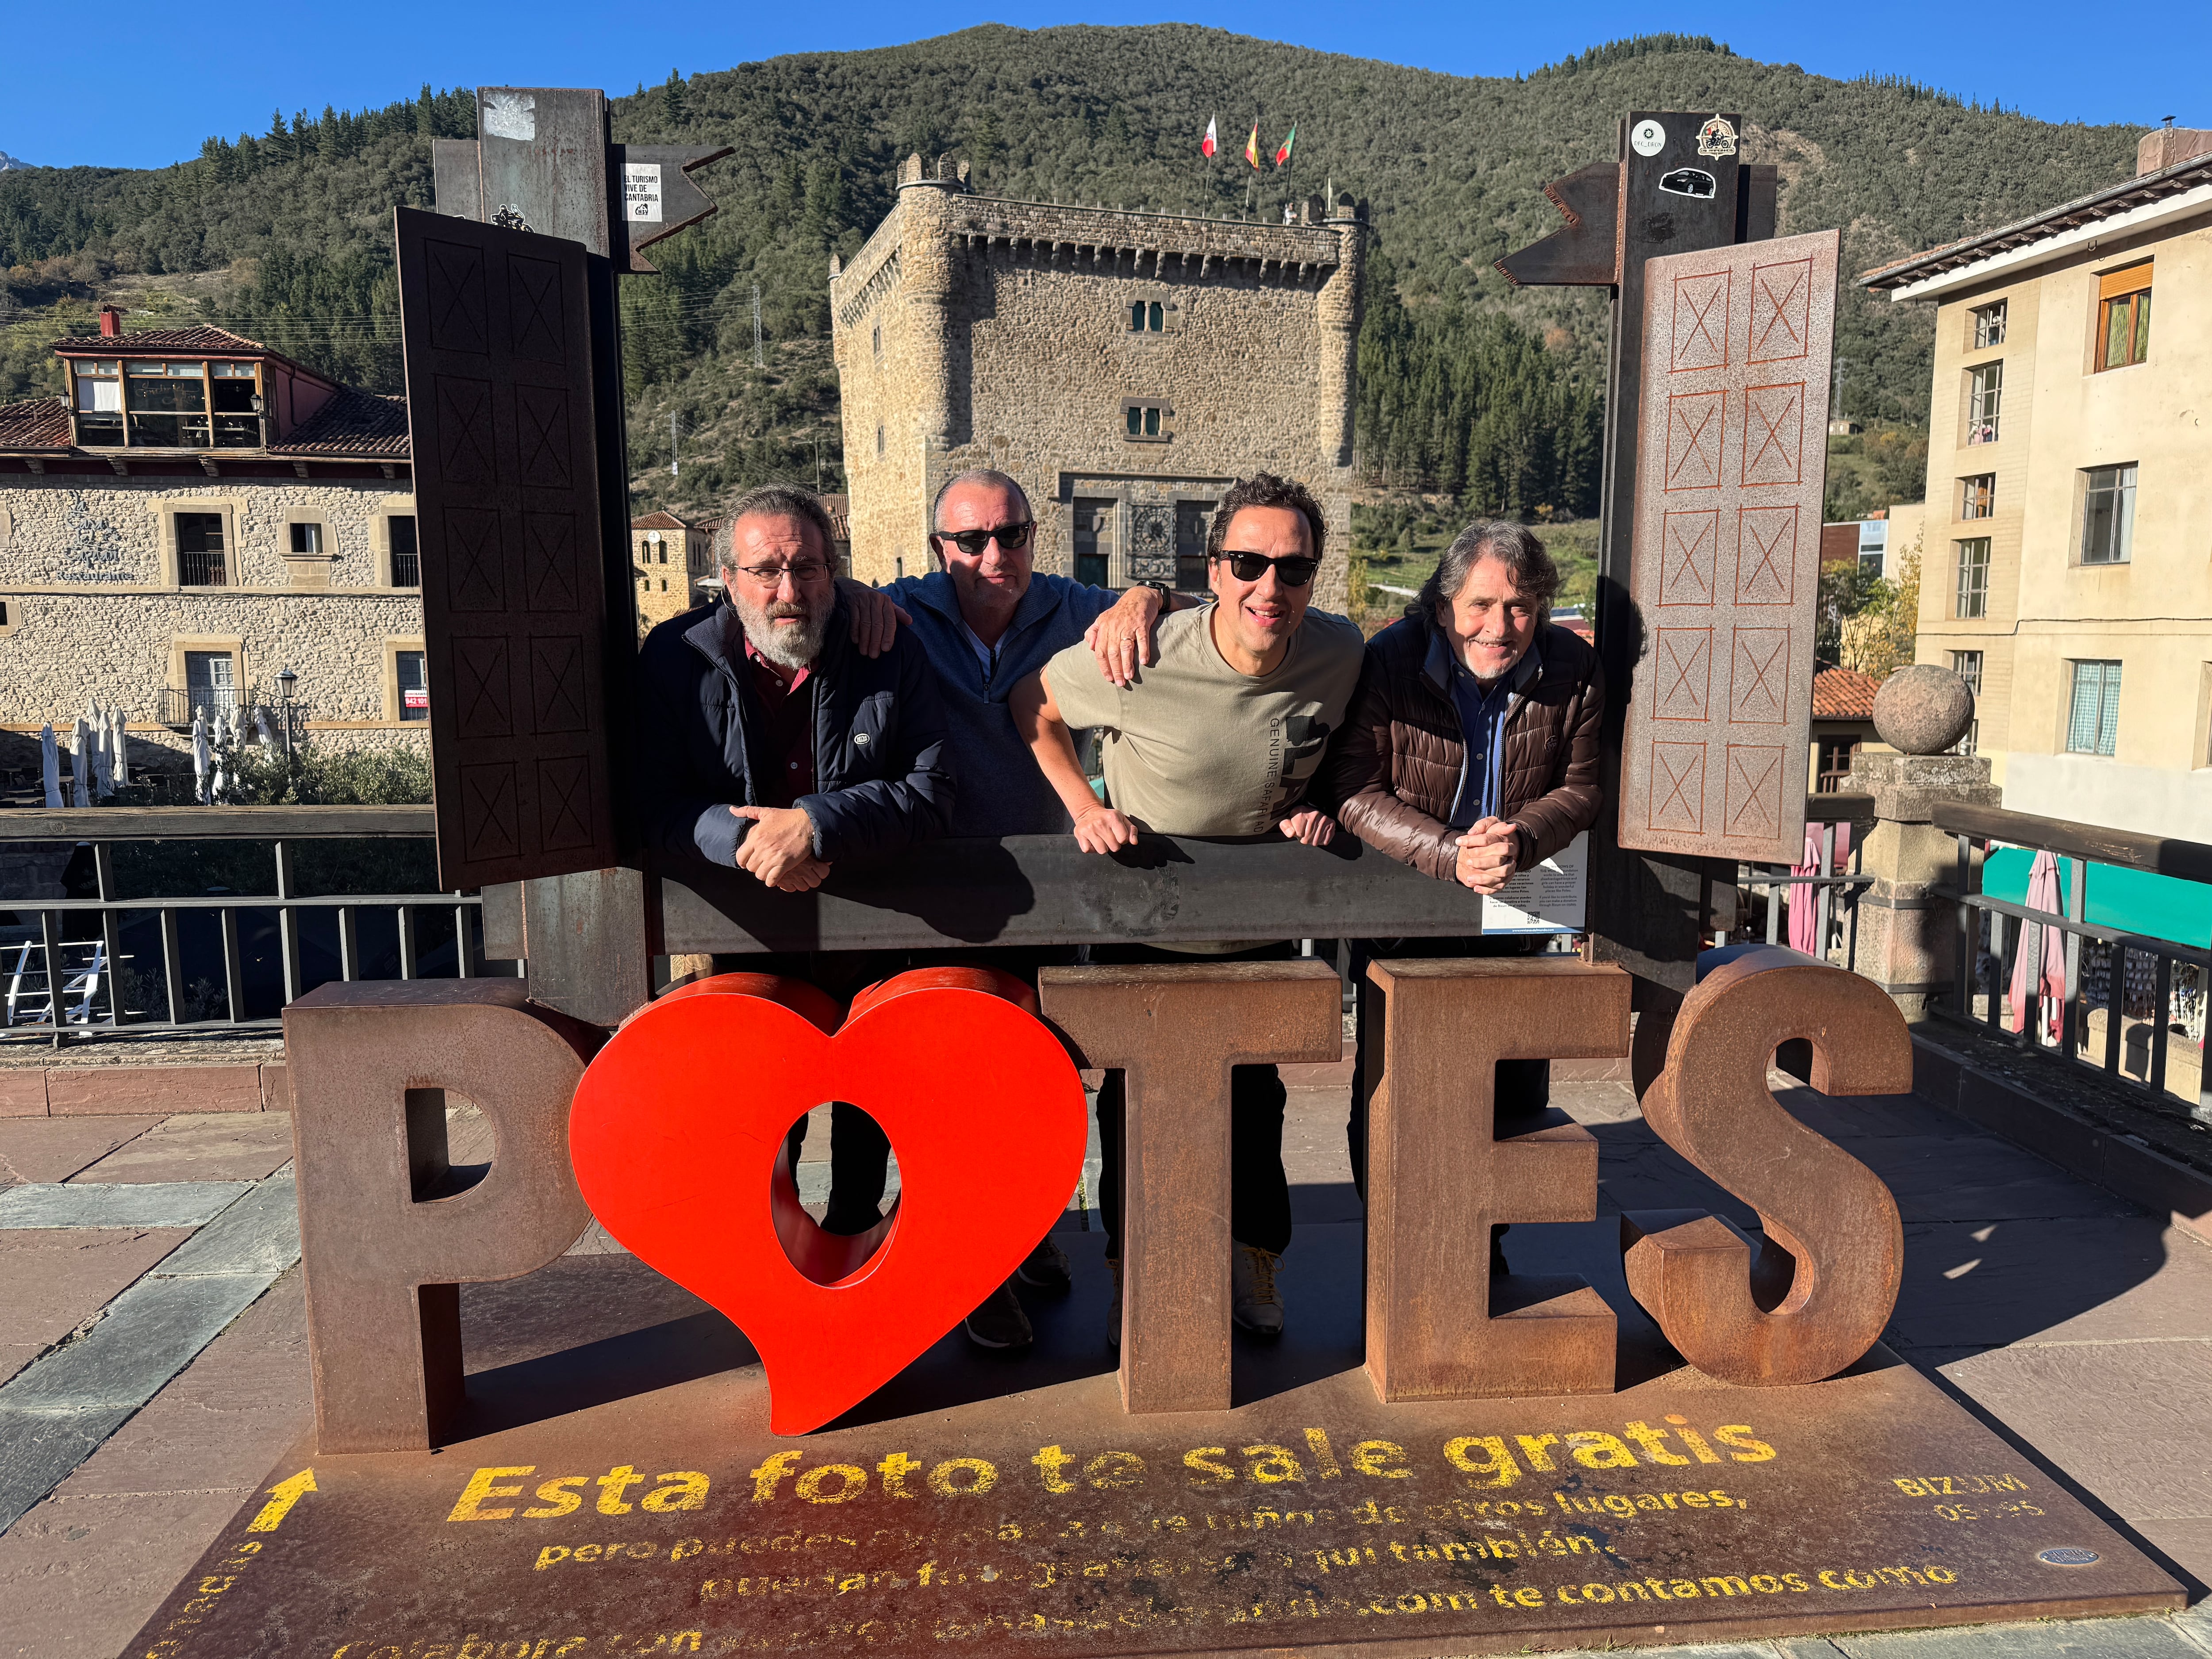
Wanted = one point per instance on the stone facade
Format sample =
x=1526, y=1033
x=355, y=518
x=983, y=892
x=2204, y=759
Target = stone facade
x=90, y=575
x=670, y=559
x=972, y=331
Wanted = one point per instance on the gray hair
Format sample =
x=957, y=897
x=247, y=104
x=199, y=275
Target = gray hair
x=774, y=501
x=982, y=475
x=1513, y=545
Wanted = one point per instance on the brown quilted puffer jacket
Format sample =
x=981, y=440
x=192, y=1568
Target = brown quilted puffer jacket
x=1394, y=774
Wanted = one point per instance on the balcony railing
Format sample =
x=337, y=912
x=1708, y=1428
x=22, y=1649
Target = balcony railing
x=1828, y=890
x=218, y=959
x=201, y=569
x=178, y=706
x=2147, y=1016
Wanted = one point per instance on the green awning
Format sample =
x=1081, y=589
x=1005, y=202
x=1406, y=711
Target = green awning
x=2136, y=901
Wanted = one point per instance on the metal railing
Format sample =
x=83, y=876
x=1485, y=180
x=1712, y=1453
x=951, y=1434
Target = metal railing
x=53, y=944
x=1832, y=888
x=1993, y=933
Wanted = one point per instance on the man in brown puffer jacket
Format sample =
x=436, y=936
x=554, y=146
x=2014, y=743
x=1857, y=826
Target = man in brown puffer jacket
x=1471, y=752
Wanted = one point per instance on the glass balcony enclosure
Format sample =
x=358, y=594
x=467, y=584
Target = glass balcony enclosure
x=165, y=403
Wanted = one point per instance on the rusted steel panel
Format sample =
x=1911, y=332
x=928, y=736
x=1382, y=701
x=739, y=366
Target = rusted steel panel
x=1438, y=1327
x=1583, y=253
x=1174, y=1031
x=384, y=1236
x=1828, y=1272
x=543, y=157
x=1731, y=463
x=500, y=385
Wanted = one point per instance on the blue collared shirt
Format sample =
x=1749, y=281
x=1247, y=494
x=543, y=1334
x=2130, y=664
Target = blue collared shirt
x=1483, y=712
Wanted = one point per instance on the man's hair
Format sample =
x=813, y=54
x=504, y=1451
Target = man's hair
x=982, y=475
x=1265, y=490
x=1513, y=545
x=774, y=502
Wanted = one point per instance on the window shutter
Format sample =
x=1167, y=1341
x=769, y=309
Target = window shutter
x=2114, y=283
x=514, y=549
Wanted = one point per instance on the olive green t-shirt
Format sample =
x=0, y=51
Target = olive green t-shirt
x=1194, y=748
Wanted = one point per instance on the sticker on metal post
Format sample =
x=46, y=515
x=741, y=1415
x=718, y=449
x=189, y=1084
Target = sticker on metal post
x=642, y=192
x=1647, y=138
x=1717, y=138
x=1689, y=181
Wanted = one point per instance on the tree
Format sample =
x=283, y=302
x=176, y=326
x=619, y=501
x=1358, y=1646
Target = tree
x=675, y=109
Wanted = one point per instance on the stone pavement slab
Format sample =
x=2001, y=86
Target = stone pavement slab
x=204, y=1147
x=57, y=1280
x=1987, y=1285
x=81, y=1577
x=259, y=1235
x=2092, y=1639
x=167, y=1204
x=52, y=1149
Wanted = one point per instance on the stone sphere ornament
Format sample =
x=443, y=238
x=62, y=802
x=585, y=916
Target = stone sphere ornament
x=1923, y=709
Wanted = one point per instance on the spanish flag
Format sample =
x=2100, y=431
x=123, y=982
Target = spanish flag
x=1252, y=145
x=1206, y=145
x=1283, y=156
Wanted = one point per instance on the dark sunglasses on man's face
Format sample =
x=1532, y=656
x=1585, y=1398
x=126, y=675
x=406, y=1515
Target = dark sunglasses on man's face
x=1295, y=569
x=1010, y=538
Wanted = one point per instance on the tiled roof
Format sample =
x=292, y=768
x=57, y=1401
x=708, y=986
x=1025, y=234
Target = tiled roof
x=659, y=519
x=40, y=424
x=1844, y=694
x=216, y=340
x=354, y=424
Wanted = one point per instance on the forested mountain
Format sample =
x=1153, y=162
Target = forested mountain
x=1467, y=387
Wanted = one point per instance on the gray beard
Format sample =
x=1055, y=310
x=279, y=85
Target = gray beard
x=784, y=647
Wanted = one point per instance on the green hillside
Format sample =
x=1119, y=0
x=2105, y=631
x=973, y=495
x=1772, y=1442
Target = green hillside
x=1469, y=388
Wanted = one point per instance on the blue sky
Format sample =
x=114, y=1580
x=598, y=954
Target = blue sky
x=167, y=79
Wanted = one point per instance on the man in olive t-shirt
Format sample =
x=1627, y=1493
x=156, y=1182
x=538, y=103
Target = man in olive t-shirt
x=1219, y=738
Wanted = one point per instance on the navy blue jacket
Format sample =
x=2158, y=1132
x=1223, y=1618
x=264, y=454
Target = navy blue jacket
x=883, y=770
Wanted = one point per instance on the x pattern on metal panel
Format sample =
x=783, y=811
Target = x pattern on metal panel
x=1730, y=470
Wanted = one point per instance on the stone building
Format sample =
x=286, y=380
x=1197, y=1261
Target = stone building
x=672, y=562
x=2064, y=571
x=1125, y=367
x=196, y=514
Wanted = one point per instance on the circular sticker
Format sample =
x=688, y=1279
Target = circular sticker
x=1647, y=138
x=2068, y=1556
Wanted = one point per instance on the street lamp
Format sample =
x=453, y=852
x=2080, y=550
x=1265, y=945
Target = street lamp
x=286, y=680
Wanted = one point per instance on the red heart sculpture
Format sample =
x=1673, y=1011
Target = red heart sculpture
x=677, y=1133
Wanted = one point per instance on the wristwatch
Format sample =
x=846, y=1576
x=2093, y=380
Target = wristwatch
x=1167, y=595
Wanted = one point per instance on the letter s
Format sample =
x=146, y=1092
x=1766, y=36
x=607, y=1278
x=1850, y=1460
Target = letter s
x=1828, y=1277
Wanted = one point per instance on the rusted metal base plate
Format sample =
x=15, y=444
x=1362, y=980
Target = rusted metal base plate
x=1011, y=1504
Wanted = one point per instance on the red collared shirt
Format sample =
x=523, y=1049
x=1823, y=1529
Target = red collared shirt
x=787, y=768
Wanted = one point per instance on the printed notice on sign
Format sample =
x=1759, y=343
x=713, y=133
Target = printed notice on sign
x=642, y=192
x=1549, y=899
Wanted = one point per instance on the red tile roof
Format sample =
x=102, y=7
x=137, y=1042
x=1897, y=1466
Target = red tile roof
x=219, y=340
x=1844, y=694
x=40, y=424
x=659, y=519
x=352, y=424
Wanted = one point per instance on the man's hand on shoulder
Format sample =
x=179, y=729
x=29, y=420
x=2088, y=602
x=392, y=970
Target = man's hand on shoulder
x=876, y=616
x=1311, y=826
x=779, y=849
x=1123, y=639
x=1100, y=829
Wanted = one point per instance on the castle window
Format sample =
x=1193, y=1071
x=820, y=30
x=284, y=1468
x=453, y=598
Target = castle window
x=1144, y=421
x=879, y=440
x=1147, y=317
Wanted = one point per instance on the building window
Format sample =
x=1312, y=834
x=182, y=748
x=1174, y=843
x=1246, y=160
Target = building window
x=1093, y=525
x=1967, y=665
x=1989, y=324
x=2092, y=724
x=406, y=551
x=1147, y=317
x=10, y=614
x=2108, y=514
x=1974, y=577
x=2123, y=318
x=210, y=684
x=168, y=404
x=876, y=340
x=879, y=440
x=1835, y=762
x=200, y=562
x=1142, y=421
x=408, y=669
x=237, y=406
x=1984, y=393
x=306, y=539
x=1874, y=546
x=1977, y=496
x=99, y=402
x=1194, y=523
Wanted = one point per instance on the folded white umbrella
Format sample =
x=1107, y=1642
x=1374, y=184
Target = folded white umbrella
x=49, y=764
x=118, y=726
x=103, y=755
x=200, y=758
x=81, y=763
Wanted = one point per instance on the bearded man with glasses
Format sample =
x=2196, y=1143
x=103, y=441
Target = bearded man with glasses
x=769, y=743
x=1221, y=736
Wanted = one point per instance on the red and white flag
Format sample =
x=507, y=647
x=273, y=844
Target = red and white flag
x=1206, y=145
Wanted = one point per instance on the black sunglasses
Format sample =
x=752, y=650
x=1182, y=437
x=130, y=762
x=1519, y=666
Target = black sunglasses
x=1295, y=569
x=1011, y=538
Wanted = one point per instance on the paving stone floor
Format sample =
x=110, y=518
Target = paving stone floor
x=152, y=1360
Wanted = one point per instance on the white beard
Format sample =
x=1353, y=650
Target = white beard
x=786, y=647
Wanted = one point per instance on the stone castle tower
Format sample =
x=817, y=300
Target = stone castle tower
x=1125, y=367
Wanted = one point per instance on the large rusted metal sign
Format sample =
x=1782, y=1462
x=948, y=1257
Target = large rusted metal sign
x=1731, y=462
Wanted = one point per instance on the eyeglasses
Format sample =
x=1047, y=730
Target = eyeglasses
x=1296, y=570
x=1010, y=538
x=801, y=572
